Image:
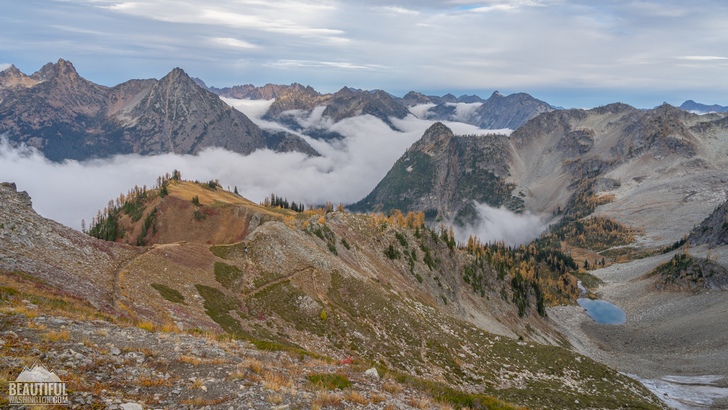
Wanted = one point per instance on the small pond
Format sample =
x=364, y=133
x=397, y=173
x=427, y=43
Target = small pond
x=602, y=311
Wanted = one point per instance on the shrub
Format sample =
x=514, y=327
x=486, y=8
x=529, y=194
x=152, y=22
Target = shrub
x=329, y=381
x=227, y=274
x=392, y=253
x=168, y=293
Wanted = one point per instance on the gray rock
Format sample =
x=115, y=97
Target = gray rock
x=372, y=373
x=132, y=406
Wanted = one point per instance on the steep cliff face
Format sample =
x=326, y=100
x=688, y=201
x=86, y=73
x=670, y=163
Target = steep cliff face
x=178, y=116
x=442, y=174
x=68, y=117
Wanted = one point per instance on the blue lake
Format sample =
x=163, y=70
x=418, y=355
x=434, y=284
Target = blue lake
x=602, y=311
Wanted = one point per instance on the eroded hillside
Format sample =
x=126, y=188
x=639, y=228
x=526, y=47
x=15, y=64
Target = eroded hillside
x=340, y=285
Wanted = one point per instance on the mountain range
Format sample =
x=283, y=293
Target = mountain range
x=633, y=203
x=67, y=117
x=542, y=165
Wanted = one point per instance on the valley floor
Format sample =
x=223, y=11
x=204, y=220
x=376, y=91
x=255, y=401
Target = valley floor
x=669, y=341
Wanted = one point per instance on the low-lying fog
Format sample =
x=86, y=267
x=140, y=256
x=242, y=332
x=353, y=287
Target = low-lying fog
x=347, y=170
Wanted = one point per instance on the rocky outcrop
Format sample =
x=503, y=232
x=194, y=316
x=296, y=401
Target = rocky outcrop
x=55, y=254
x=442, y=174
x=713, y=231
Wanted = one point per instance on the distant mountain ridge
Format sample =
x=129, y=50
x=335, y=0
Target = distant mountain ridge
x=693, y=106
x=68, y=117
x=497, y=112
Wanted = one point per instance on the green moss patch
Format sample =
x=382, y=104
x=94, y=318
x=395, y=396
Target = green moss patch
x=329, y=381
x=226, y=274
x=168, y=293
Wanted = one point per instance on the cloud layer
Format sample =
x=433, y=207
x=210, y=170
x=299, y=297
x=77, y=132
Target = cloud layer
x=567, y=52
x=347, y=170
x=500, y=224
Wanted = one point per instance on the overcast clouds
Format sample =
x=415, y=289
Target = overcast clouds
x=569, y=53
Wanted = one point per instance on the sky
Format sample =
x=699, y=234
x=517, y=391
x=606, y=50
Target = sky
x=568, y=53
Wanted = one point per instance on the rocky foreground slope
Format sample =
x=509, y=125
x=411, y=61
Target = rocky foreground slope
x=308, y=285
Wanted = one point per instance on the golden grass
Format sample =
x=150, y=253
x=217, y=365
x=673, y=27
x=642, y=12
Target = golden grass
x=196, y=361
x=153, y=382
x=276, y=381
x=275, y=398
x=169, y=327
x=37, y=326
x=193, y=360
x=392, y=388
x=355, y=397
x=255, y=365
x=146, y=325
x=325, y=398
x=377, y=397
x=57, y=336
x=419, y=402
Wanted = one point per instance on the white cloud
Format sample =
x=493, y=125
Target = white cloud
x=583, y=49
x=254, y=109
x=500, y=224
x=232, y=42
x=463, y=111
x=4, y=66
x=396, y=10
x=346, y=172
x=704, y=58
x=420, y=110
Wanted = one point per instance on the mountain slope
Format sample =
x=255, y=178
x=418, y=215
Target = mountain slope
x=442, y=174
x=68, y=117
x=324, y=282
x=662, y=169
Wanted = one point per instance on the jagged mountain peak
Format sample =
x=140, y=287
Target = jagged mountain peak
x=433, y=138
x=61, y=69
x=12, y=76
x=470, y=99
x=178, y=75
x=68, y=117
x=11, y=69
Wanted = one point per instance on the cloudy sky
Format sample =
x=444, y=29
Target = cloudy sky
x=568, y=53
